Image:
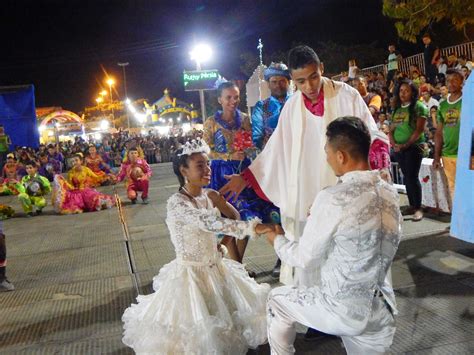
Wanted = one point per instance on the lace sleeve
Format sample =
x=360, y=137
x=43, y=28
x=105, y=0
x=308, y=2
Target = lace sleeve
x=182, y=211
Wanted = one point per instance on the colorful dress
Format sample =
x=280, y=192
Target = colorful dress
x=97, y=165
x=75, y=195
x=203, y=303
x=220, y=135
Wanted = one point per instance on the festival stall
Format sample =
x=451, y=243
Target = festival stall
x=56, y=124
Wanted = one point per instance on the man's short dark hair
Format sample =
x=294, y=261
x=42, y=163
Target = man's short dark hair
x=455, y=72
x=32, y=163
x=351, y=135
x=301, y=56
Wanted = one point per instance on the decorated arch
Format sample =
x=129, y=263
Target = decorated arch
x=62, y=117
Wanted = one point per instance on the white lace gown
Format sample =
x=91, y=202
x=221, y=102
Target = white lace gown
x=203, y=303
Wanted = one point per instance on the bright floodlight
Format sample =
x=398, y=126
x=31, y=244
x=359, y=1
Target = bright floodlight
x=141, y=117
x=110, y=81
x=186, y=127
x=201, y=53
x=127, y=101
x=104, y=125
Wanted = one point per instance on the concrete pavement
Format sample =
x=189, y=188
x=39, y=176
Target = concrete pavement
x=73, y=280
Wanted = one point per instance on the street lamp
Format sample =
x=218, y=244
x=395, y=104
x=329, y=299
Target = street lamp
x=99, y=100
x=123, y=65
x=201, y=53
x=103, y=93
x=111, y=82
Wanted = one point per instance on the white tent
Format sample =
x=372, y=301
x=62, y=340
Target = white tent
x=257, y=88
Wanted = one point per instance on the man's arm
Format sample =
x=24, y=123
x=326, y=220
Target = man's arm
x=309, y=251
x=438, y=145
x=257, y=125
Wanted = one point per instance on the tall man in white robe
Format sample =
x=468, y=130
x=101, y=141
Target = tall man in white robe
x=352, y=235
x=292, y=169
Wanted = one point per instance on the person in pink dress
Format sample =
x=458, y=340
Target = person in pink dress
x=95, y=162
x=138, y=172
x=75, y=195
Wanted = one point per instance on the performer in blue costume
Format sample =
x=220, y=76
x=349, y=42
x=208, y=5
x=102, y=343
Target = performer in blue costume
x=219, y=133
x=266, y=112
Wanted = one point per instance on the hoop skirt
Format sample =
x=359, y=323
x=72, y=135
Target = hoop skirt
x=202, y=304
x=67, y=199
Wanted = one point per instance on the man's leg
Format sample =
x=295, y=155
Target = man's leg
x=287, y=306
x=25, y=202
x=132, y=192
x=5, y=285
x=39, y=202
x=143, y=186
x=378, y=335
x=449, y=165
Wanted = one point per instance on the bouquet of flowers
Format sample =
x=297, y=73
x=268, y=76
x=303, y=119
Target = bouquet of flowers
x=243, y=143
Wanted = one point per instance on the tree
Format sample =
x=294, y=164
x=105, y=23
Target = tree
x=415, y=16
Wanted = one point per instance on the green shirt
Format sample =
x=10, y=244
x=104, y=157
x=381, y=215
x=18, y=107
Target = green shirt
x=401, y=121
x=449, y=114
x=43, y=187
x=4, y=143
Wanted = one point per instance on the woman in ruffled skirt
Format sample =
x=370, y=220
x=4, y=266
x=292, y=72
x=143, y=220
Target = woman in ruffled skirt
x=75, y=195
x=203, y=303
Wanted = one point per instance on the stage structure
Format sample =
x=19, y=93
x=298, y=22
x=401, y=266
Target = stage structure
x=56, y=124
x=167, y=113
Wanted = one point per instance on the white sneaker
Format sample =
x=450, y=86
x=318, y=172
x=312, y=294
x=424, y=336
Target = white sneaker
x=6, y=286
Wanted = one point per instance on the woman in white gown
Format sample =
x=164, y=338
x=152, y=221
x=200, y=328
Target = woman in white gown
x=203, y=303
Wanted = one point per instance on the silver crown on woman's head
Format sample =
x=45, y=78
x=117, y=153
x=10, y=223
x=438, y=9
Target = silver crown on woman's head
x=195, y=146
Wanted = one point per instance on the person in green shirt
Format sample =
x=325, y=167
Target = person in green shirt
x=447, y=132
x=33, y=187
x=4, y=146
x=406, y=137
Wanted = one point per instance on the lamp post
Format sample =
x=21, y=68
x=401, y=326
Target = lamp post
x=200, y=54
x=111, y=82
x=123, y=65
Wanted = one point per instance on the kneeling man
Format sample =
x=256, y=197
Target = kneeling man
x=351, y=237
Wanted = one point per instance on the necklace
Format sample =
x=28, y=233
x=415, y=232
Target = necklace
x=193, y=199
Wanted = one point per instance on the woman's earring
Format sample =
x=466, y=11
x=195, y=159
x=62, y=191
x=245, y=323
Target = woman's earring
x=186, y=180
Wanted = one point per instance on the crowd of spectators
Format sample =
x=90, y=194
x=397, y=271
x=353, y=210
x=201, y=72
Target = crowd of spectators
x=378, y=88
x=111, y=147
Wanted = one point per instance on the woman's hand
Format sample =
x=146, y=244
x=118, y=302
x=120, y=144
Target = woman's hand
x=264, y=228
x=270, y=230
x=239, y=155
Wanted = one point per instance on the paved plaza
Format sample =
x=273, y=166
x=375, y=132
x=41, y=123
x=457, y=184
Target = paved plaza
x=73, y=280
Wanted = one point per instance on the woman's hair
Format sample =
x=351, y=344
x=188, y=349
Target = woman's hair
x=178, y=162
x=78, y=155
x=225, y=85
x=413, y=99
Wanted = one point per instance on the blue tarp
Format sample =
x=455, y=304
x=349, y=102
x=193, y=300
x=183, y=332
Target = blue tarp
x=462, y=221
x=18, y=115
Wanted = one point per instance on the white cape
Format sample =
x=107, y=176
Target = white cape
x=292, y=168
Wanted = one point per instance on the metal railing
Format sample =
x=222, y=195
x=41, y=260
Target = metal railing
x=466, y=49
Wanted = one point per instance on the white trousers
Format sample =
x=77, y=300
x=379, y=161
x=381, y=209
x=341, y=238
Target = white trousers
x=284, y=311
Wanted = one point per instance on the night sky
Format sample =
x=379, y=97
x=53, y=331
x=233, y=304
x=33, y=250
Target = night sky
x=66, y=47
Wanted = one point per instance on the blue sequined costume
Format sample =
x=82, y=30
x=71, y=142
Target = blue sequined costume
x=265, y=119
x=219, y=135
